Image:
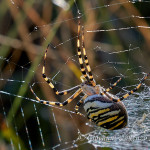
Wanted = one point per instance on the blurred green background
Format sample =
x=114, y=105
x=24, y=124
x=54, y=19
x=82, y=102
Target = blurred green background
x=26, y=27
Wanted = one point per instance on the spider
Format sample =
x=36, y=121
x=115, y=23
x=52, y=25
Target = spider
x=102, y=108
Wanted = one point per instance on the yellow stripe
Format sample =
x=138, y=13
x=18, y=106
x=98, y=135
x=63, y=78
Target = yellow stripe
x=65, y=92
x=78, y=28
x=118, y=120
x=125, y=96
x=117, y=125
x=98, y=112
x=80, y=61
x=78, y=43
x=46, y=79
x=52, y=103
x=131, y=92
x=43, y=70
x=82, y=69
x=69, y=100
x=44, y=102
x=86, y=61
x=107, y=120
x=91, y=77
x=79, y=113
x=76, y=107
x=88, y=68
x=51, y=85
x=37, y=98
x=108, y=89
x=76, y=94
x=139, y=86
x=93, y=83
x=82, y=37
x=102, y=93
x=79, y=53
x=111, y=113
x=84, y=52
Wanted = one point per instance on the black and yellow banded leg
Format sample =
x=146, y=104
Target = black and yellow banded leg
x=72, y=97
x=50, y=83
x=86, y=60
x=82, y=78
x=112, y=86
x=79, y=104
x=79, y=53
x=132, y=91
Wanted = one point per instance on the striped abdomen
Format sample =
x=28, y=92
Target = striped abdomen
x=106, y=113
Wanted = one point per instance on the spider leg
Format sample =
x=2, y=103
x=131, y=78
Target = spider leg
x=50, y=83
x=79, y=104
x=90, y=75
x=132, y=91
x=112, y=86
x=72, y=97
x=79, y=53
x=82, y=78
x=108, y=89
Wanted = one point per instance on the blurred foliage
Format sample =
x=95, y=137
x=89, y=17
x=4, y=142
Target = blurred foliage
x=25, y=30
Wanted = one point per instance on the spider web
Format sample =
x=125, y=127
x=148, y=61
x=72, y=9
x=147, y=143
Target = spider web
x=117, y=44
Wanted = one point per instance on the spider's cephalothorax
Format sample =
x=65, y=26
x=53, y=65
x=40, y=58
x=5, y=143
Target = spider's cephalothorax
x=102, y=108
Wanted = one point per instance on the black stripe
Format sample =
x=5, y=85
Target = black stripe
x=87, y=64
x=43, y=75
x=57, y=103
x=61, y=93
x=101, y=118
x=41, y=101
x=79, y=56
x=104, y=118
x=91, y=112
x=134, y=90
x=90, y=73
x=85, y=57
x=115, y=100
x=108, y=125
x=79, y=103
x=91, y=109
x=79, y=50
x=65, y=103
x=55, y=90
x=123, y=124
x=120, y=99
x=91, y=79
x=82, y=66
x=83, y=72
x=48, y=81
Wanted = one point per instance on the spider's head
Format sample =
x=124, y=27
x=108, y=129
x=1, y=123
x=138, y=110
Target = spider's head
x=88, y=89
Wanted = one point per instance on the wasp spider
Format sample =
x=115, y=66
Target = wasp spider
x=102, y=108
